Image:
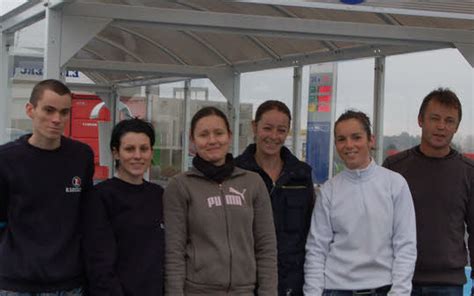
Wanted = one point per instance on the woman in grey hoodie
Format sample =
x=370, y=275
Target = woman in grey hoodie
x=220, y=236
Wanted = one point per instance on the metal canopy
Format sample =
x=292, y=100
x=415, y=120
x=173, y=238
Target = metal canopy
x=132, y=40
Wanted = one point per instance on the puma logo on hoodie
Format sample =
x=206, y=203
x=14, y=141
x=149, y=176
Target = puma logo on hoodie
x=234, y=197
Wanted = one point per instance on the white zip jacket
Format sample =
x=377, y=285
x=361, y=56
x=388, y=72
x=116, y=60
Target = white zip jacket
x=363, y=233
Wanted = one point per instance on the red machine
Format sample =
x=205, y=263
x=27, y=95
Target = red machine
x=82, y=128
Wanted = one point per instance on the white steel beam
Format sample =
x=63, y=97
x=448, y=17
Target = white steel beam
x=223, y=79
x=6, y=42
x=228, y=83
x=18, y=9
x=150, y=81
x=198, y=71
x=330, y=56
x=28, y=13
x=22, y=17
x=209, y=46
x=77, y=31
x=266, y=49
x=150, y=68
x=120, y=47
x=94, y=53
x=89, y=87
x=97, y=77
x=271, y=26
x=362, y=8
x=155, y=43
x=467, y=50
x=58, y=3
x=52, y=52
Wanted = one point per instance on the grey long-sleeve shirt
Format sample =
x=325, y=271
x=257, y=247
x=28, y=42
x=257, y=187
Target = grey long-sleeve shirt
x=363, y=233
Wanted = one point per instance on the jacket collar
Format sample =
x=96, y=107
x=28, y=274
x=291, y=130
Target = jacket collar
x=195, y=172
x=361, y=174
x=452, y=153
x=247, y=159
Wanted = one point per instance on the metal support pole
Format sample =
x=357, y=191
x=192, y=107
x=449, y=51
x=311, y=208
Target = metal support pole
x=6, y=42
x=113, y=114
x=186, y=125
x=236, y=115
x=228, y=82
x=52, y=52
x=379, y=98
x=296, y=124
x=335, y=73
x=149, y=114
x=149, y=103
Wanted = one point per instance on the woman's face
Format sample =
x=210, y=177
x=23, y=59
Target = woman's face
x=211, y=139
x=353, y=144
x=270, y=132
x=134, y=156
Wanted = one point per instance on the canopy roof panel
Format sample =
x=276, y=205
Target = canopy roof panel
x=160, y=38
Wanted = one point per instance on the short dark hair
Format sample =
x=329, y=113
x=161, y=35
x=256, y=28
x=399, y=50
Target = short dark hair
x=445, y=97
x=208, y=111
x=134, y=125
x=48, y=84
x=272, y=105
x=357, y=115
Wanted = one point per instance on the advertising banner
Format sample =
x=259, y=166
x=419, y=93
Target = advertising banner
x=318, y=137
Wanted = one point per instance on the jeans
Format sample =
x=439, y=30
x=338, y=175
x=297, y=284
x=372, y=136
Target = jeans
x=445, y=290
x=380, y=292
x=73, y=292
x=350, y=293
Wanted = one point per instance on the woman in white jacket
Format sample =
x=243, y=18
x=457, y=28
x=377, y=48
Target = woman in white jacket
x=363, y=236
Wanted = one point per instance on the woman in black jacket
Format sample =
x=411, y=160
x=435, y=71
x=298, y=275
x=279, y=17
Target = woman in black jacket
x=123, y=220
x=290, y=186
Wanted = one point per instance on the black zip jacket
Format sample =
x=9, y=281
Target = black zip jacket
x=292, y=197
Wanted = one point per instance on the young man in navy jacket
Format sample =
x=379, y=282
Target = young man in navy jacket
x=43, y=177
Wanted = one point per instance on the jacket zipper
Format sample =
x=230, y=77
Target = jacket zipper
x=293, y=187
x=228, y=236
x=273, y=188
x=276, y=183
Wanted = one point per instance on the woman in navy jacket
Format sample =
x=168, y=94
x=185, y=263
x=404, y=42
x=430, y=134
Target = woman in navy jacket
x=290, y=186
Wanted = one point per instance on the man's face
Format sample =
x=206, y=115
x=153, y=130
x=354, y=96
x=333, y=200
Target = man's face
x=438, y=126
x=49, y=116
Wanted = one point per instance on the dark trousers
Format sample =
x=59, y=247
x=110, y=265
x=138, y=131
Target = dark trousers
x=74, y=292
x=444, y=290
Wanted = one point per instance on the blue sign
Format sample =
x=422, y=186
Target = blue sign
x=39, y=72
x=317, y=149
